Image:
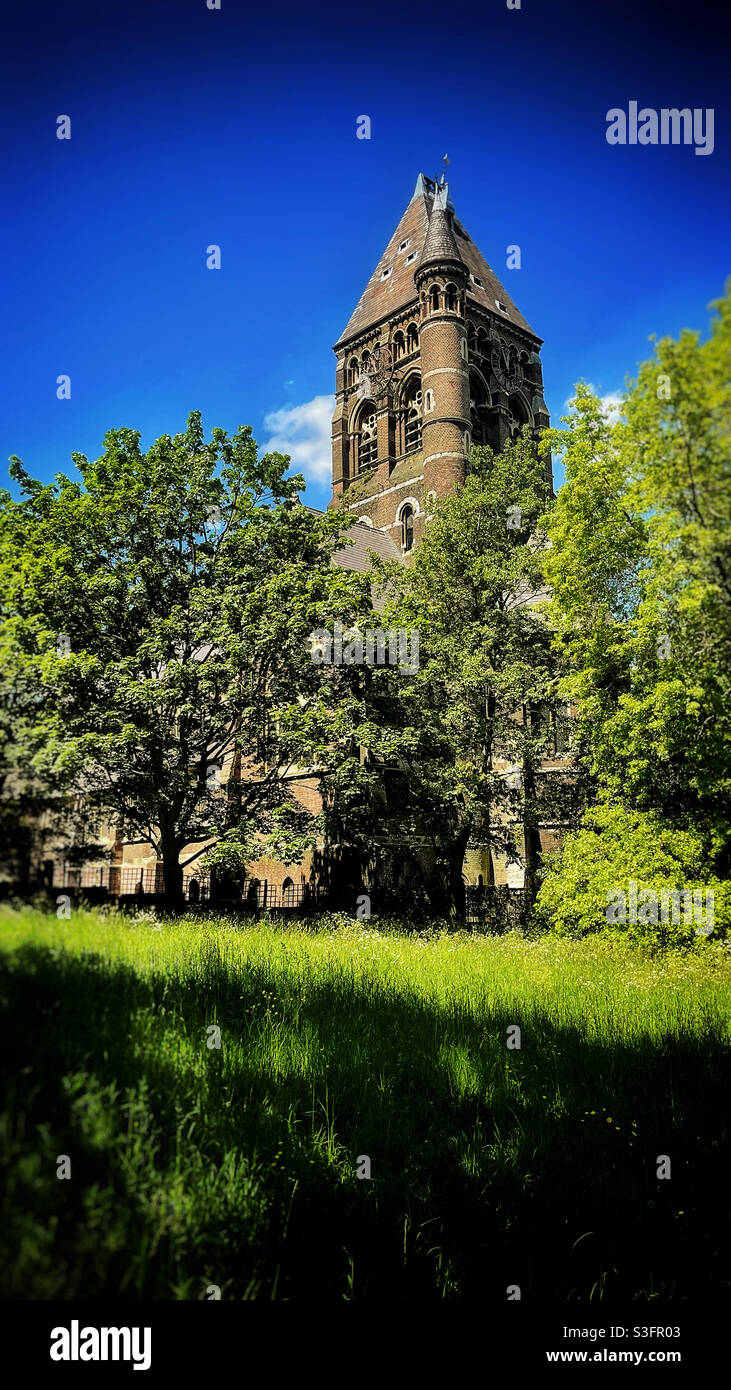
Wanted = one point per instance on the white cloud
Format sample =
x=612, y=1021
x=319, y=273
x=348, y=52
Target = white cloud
x=611, y=404
x=303, y=432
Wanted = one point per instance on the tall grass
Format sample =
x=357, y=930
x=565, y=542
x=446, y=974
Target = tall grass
x=193, y=1165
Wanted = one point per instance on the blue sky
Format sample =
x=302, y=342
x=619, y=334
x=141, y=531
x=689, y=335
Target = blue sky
x=192, y=127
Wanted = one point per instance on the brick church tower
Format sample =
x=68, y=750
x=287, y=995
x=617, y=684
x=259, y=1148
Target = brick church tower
x=435, y=357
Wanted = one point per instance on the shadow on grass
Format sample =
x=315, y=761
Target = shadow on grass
x=237, y=1166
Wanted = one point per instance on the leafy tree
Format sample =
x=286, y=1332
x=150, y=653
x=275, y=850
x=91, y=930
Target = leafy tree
x=619, y=855
x=640, y=570
x=158, y=611
x=474, y=719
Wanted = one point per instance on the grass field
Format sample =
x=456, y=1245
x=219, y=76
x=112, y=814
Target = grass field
x=236, y=1166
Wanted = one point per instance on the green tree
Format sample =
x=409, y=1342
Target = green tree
x=158, y=610
x=478, y=717
x=640, y=571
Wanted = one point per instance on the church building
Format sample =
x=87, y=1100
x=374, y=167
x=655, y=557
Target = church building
x=435, y=357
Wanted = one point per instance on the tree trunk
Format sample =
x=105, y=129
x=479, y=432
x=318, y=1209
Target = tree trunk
x=453, y=904
x=173, y=899
x=531, y=835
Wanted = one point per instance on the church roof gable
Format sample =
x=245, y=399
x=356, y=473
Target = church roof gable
x=391, y=287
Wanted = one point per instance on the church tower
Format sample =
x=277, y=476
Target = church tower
x=435, y=357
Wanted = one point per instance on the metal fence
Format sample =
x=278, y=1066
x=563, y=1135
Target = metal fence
x=496, y=907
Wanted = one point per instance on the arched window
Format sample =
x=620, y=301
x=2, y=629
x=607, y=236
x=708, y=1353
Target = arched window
x=471, y=339
x=481, y=343
x=478, y=409
x=412, y=338
x=451, y=298
x=353, y=371
x=399, y=346
x=288, y=893
x=434, y=299
x=366, y=438
x=252, y=893
x=407, y=527
x=517, y=414
x=411, y=416
x=428, y=402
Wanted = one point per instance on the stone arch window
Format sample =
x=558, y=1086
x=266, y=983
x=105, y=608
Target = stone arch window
x=481, y=343
x=365, y=438
x=353, y=371
x=411, y=414
x=407, y=527
x=467, y=441
x=428, y=402
x=451, y=298
x=479, y=405
x=399, y=346
x=412, y=338
x=434, y=299
x=288, y=893
x=471, y=338
x=518, y=415
x=252, y=892
x=365, y=363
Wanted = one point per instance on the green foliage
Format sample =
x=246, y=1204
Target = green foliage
x=484, y=657
x=237, y=1166
x=640, y=569
x=184, y=582
x=614, y=848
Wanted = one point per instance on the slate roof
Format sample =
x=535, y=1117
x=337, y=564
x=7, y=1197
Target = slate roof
x=365, y=538
x=381, y=298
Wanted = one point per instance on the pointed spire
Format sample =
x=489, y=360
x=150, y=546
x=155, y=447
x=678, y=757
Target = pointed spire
x=440, y=244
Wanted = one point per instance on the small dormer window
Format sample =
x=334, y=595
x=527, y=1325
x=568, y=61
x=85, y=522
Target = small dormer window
x=476, y=280
x=411, y=257
x=385, y=274
x=405, y=243
x=502, y=307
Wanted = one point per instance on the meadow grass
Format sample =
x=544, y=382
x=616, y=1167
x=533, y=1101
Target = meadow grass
x=193, y=1165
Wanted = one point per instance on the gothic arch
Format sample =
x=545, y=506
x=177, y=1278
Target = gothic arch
x=410, y=413
x=520, y=411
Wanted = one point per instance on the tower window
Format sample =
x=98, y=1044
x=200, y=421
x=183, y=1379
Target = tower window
x=434, y=299
x=405, y=243
x=409, y=414
x=368, y=444
x=399, y=346
x=450, y=298
x=353, y=371
x=385, y=274
x=411, y=257
x=478, y=410
x=412, y=338
x=407, y=528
